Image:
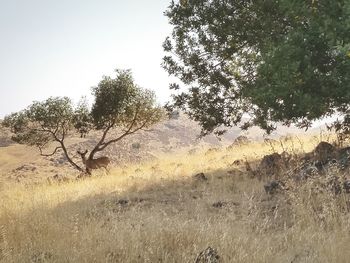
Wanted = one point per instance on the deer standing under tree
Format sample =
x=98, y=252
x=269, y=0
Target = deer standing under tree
x=90, y=163
x=119, y=105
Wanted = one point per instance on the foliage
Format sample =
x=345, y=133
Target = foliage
x=43, y=123
x=276, y=61
x=82, y=118
x=119, y=103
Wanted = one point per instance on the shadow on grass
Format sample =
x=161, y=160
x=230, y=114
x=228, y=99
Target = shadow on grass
x=164, y=221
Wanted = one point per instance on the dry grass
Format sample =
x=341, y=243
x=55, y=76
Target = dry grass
x=157, y=212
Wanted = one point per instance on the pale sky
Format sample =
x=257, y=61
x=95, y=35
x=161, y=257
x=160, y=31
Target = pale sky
x=64, y=47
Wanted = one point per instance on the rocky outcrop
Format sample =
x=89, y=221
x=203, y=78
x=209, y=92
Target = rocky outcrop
x=326, y=163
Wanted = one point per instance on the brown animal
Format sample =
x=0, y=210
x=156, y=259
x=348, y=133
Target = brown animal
x=101, y=162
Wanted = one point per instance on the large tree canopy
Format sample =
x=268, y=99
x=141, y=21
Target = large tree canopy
x=119, y=103
x=276, y=61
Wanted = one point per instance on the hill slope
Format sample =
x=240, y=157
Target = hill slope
x=24, y=164
x=159, y=211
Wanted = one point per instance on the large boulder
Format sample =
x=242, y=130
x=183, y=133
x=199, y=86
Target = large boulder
x=271, y=164
x=324, y=152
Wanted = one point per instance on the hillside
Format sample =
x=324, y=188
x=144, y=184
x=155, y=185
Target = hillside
x=171, y=208
x=24, y=164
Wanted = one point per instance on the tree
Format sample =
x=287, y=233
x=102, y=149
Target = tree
x=43, y=123
x=274, y=61
x=119, y=103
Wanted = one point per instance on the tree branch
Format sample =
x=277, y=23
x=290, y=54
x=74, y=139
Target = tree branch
x=69, y=159
x=101, y=145
x=128, y=132
x=53, y=133
x=101, y=141
x=50, y=154
x=63, y=147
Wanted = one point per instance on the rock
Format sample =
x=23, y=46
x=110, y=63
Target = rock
x=218, y=204
x=344, y=152
x=344, y=158
x=272, y=187
x=341, y=187
x=237, y=162
x=170, y=126
x=25, y=168
x=270, y=164
x=308, y=171
x=324, y=152
x=122, y=202
x=58, y=161
x=334, y=185
x=136, y=145
x=57, y=178
x=326, y=156
x=200, y=177
x=209, y=255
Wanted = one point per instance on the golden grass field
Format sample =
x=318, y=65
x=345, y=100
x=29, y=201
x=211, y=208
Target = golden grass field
x=157, y=212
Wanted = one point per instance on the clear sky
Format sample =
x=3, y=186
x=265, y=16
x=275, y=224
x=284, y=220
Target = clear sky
x=64, y=47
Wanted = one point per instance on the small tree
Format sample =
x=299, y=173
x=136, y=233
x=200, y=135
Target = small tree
x=43, y=123
x=119, y=103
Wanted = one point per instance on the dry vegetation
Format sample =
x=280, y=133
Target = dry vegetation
x=159, y=212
